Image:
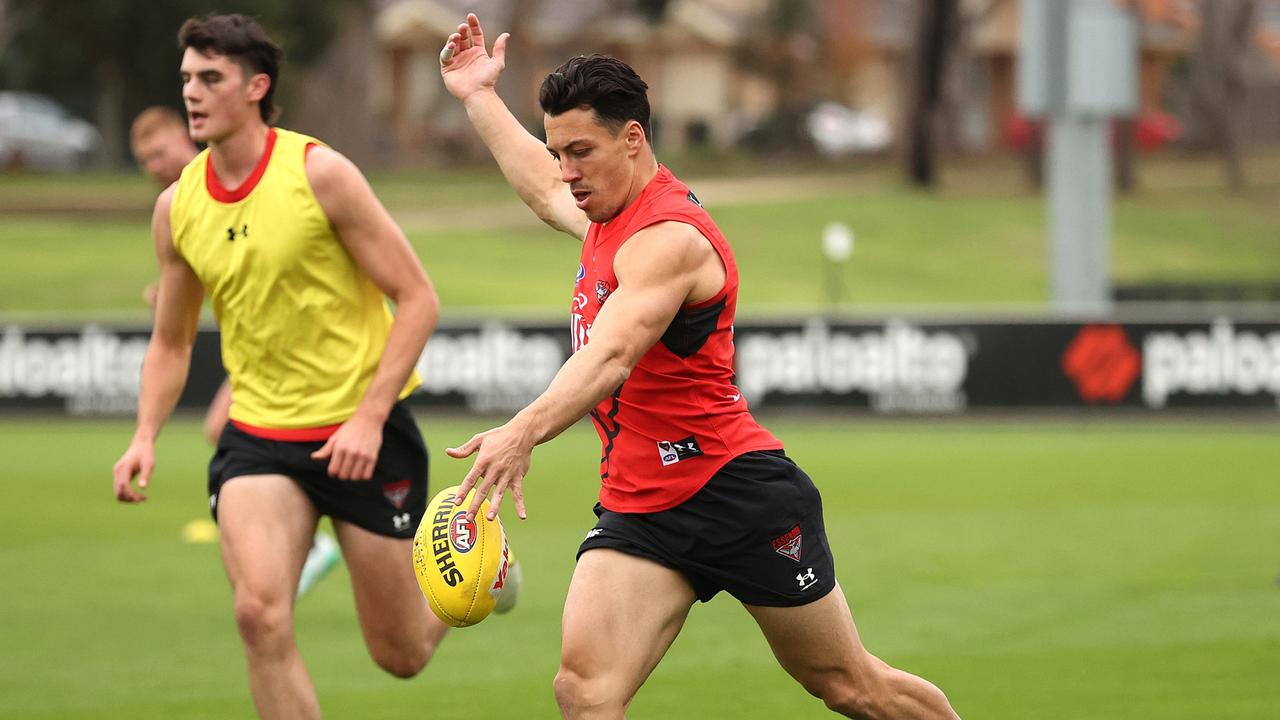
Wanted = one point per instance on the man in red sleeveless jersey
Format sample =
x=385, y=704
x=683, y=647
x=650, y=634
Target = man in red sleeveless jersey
x=695, y=496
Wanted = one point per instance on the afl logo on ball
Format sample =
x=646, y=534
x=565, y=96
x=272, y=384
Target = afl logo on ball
x=462, y=532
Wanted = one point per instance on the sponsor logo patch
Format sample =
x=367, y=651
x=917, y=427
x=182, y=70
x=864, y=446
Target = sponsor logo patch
x=602, y=291
x=396, y=492
x=788, y=545
x=806, y=579
x=440, y=530
x=462, y=532
x=672, y=452
x=500, y=579
x=582, y=272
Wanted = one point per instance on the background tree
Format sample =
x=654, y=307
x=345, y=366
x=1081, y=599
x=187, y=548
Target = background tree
x=1218, y=79
x=109, y=59
x=782, y=46
x=520, y=82
x=936, y=37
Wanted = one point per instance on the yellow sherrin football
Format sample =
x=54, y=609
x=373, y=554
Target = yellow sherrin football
x=461, y=563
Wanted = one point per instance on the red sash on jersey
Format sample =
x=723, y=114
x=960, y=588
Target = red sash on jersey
x=678, y=418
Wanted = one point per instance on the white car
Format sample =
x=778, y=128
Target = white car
x=35, y=132
x=838, y=131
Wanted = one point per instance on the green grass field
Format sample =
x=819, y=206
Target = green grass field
x=81, y=244
x=1049, y=570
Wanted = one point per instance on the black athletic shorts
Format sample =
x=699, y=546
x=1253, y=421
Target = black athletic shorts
x=390, y=504
x=754, y=530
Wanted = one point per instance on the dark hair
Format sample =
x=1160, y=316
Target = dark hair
x=241, y=39
x=601, y=83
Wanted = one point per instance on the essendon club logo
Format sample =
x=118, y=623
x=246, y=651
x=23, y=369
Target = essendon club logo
x=1102, y=363
x=789, y=545
x=396, y=492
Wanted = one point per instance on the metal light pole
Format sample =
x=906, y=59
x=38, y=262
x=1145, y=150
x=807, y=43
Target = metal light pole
x=1077, y=67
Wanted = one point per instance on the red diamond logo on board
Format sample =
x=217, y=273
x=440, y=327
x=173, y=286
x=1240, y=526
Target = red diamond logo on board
x=1102, y=363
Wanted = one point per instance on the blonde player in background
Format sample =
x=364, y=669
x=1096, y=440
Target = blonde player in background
x=162, y=147
x=160, y=144
x=299, y=258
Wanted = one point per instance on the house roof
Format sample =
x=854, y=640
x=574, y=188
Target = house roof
x=720, y=22
x=413, y=22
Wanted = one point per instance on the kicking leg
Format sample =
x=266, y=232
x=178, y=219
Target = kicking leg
x=818, y=645
x=399, y=628
x=621, y=614
x=266, y=523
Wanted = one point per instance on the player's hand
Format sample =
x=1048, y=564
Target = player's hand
x=352, y=451
x=466, y=65
x=503, y=456
x=138, y=461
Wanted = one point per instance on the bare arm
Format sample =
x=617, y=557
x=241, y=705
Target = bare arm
x=381, y=251
x=168, y=358
x=650, y=293
x=659, y=269
x=215, y=418
x=471, y=74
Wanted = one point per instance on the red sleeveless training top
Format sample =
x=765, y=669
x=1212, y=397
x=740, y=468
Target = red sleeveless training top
x=678, y=418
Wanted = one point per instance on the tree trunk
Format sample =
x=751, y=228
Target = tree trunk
x=1218, y=82
x=108, y=112
x=333, y=99
x=936, y=25
x=517, y=83
x=1125, y=154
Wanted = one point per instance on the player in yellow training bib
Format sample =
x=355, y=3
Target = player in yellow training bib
x=299, y=259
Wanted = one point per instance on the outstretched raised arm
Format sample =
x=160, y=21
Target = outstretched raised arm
x=470, y=74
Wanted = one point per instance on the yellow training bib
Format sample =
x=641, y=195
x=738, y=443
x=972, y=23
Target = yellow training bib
x=303, y=328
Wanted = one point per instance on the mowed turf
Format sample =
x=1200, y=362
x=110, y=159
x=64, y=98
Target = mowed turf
x=979, y=239
x=1046, y=570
